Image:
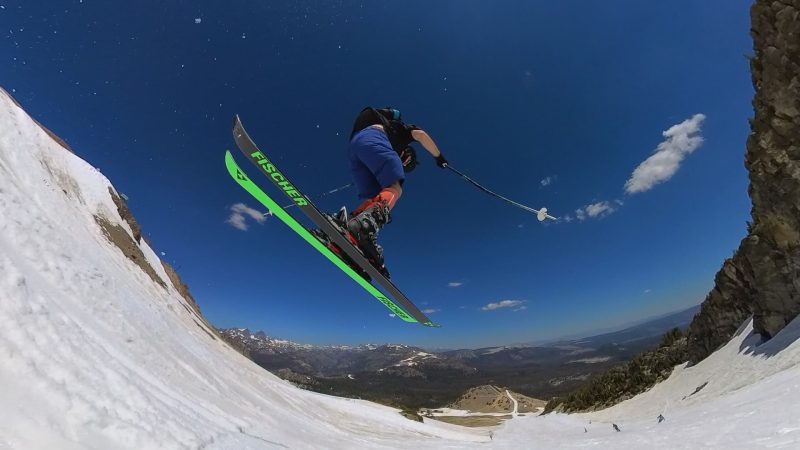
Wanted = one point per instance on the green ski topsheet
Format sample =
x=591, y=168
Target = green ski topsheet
x=248, y=185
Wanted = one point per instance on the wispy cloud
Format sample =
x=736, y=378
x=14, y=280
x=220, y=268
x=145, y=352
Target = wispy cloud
x=521, y=308
x=454, y=284
x=596, y=210
x=547, y=181
x=681, y=140
x=503, y=304
x=430, y=310
x=239, y=214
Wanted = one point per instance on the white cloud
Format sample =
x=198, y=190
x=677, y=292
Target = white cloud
x=595, y=210
x=681, y=140
x=568, y=218
x=430, y=310
x=521, y=308
x=547, y=181
x=239, y=214
x=392, y=315
x=599, y=208
x=454, y=284
x=502, y=304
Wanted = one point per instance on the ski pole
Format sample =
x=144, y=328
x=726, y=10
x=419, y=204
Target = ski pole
x=541, y=214
x=317, y=196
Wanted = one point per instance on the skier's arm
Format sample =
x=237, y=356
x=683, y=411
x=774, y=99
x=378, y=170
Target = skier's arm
x=424, y=138
x=427, y=142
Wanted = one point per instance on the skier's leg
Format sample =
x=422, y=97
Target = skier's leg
x=387, y=169
x=374, y=164
x=364, y=205
x=371, y=216
x=373, y=152
x=366, y=184
x=389, y=195
x=371, y=149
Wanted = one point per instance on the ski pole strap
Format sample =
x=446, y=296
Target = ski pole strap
x=540, y=213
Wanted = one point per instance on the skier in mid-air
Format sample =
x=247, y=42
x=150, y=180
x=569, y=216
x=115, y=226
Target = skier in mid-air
x=380, y=155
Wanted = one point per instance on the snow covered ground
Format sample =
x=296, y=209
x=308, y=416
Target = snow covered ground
x=95, y=354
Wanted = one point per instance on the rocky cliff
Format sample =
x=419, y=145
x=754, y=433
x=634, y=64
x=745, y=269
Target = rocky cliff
x=763, y=277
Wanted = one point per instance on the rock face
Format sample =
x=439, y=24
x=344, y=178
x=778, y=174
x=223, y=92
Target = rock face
x=763, y=277
x=773, y=160
x=724, y=309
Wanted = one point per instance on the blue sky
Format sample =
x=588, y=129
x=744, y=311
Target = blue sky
x=515, y=93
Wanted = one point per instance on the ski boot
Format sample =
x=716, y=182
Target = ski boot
x=364, y=229
x=339, y=221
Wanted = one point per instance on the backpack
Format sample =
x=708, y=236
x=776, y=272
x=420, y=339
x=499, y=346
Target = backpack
x=397, y=132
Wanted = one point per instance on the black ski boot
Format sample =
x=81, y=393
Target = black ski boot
x=327, y=242
x=364, y=228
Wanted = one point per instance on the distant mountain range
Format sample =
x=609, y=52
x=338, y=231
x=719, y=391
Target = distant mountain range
x=648, y=329
x=412, y=377
x=338, y=361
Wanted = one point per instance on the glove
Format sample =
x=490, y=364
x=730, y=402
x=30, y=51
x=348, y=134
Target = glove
x=440, y=161
x=409, y=159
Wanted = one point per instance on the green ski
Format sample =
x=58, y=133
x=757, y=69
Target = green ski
x=245, y=182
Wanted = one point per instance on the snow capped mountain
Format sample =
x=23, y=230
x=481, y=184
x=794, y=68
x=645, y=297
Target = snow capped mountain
x=333, y=361
x=261, y=341
x=416, y=359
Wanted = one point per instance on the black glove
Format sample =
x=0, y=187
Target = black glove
x=409, y=158
x=440, y=161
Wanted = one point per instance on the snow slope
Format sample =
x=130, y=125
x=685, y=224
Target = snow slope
x=745, y=395
x=95, y=354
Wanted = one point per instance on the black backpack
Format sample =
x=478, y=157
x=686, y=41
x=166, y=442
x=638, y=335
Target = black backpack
x=391, y=120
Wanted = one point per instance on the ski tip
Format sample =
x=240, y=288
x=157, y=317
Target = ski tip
x=229, y=157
